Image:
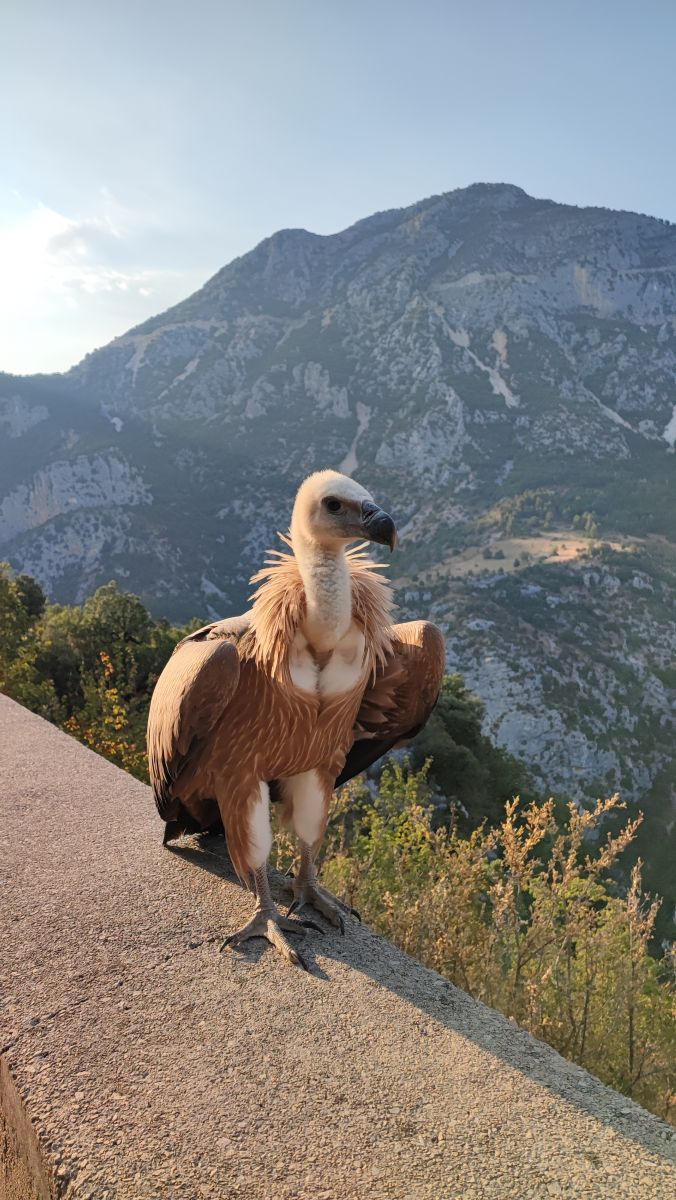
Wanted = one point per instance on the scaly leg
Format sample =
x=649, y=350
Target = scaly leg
x=308, y=797
x=267, y=922
x=306, y=890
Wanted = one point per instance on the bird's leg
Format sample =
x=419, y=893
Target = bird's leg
x=306, y=890
x=308, y=797
x=268, y=922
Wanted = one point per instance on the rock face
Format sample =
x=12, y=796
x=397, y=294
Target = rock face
x=101, y=481
x=488, y=363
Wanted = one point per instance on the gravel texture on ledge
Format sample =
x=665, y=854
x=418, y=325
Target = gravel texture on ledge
x=139, y=1063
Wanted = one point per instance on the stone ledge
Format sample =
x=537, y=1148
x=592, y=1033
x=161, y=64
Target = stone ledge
x=138, y=1063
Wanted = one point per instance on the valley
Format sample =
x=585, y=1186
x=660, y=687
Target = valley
x=499, y=370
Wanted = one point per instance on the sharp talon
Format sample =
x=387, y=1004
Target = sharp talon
x=312, y=893
x=295, y=928
x=313, y=925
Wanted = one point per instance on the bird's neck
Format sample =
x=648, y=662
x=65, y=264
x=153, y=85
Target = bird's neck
x=328, y=591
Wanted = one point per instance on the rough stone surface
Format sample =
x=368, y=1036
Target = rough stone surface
x=143, y=1064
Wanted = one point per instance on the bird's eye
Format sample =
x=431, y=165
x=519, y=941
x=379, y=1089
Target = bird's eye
x=333, y=505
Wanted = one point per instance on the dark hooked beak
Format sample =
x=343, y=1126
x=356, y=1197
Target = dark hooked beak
x=378, y=526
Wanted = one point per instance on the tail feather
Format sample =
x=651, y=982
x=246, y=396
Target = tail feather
x=181, y=823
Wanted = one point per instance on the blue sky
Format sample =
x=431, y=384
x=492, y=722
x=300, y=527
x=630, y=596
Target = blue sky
x=146, y=144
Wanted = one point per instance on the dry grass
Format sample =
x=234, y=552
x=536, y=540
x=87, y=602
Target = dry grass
x=519, y=552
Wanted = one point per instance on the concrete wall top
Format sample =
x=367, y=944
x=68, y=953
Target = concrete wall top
x=139, y=1063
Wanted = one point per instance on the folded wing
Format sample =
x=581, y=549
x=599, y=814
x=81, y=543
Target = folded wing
x=194, y=689
x=398, y=703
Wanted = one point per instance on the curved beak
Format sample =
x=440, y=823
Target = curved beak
x=377, y=525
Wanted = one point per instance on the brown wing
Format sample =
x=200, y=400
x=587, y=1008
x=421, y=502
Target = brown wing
x=232, y=628
x=190, y=695
x=398, y=703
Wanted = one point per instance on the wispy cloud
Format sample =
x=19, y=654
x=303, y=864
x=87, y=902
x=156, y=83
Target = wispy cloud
x=45, y=252
x=84, y=237
x=70, y=282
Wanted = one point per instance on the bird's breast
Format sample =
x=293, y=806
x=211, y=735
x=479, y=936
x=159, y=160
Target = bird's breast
x=330, y=672
x=303, y=667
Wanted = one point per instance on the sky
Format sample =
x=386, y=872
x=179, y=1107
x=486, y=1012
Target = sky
x=146, y=143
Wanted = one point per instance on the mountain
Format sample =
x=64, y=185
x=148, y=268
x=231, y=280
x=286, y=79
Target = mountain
x=500, y=370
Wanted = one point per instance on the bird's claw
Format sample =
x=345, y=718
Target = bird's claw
x=329, y=906
x=271, y=926
x=313, y=925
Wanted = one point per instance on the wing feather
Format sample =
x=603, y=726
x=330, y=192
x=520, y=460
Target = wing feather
x=399, y=701
x=193, y=691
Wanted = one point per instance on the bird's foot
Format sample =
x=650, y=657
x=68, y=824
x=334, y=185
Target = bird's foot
x=268, y=923
x=310, y=892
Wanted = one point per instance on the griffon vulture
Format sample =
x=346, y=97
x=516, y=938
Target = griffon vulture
x=299, y=694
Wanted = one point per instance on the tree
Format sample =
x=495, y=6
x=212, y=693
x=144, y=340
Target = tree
x=31, y=595
x=14, y=619
x=19, y=675
x=109, y=726
x=65, y=661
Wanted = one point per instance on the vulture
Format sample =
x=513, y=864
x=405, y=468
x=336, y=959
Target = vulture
x=305, y=690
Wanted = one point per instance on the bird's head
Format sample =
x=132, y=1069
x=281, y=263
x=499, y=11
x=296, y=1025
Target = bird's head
x=331, y=509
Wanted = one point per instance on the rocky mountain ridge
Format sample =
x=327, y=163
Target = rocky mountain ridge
x=487, y=363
